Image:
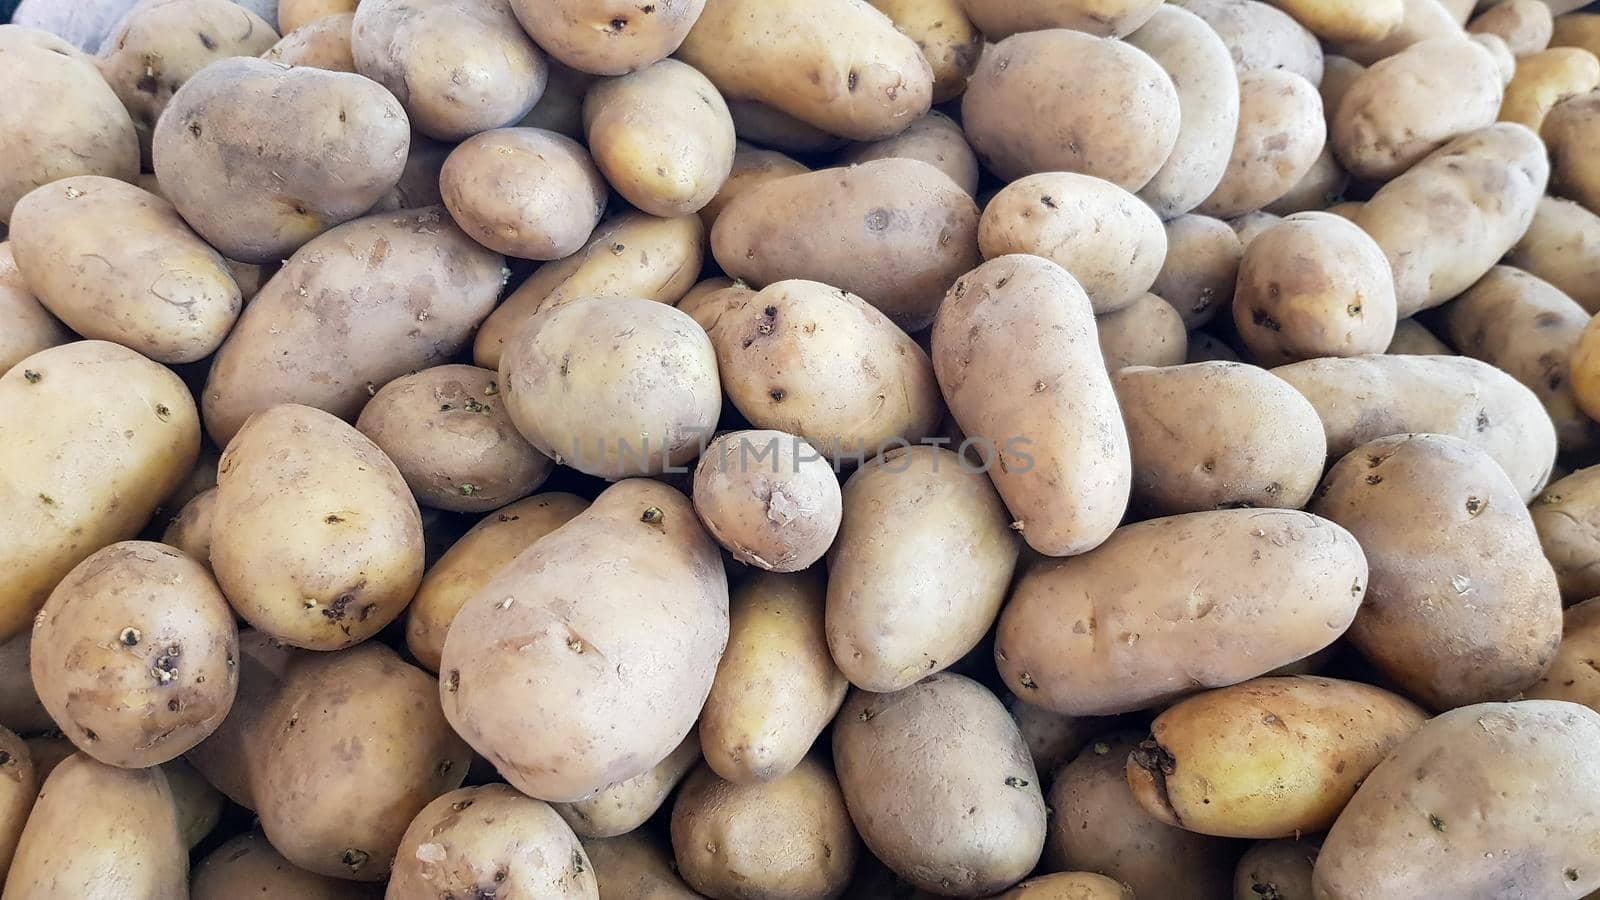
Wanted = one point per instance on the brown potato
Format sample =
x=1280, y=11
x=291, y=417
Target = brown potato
x=1570, y=130
x=947, y=39
x=1218, y=434
x=635, y=866
x=1106, y=18
x=1069, y=886
x=1525, y=25
x=29, y=326
x=1577, y=30
x=754, y=166
x=1544, y=80
x=1281, y=132
x=323, y=44
x=1261, y=38
x=1572, y=676
x=896, y=232
x=625, y=806
x=19, y=785
x=229, y=757
x=247, y=866
x=419, y=180
x=1562, y=246
x=524, y=192
x=1201, y=266
x=190, y=529
x=1065, y=101
x=961, y=814
x=1146, y=332
x=611, y=37
x=1053, y=739
x=1282, y=867
x=1439, y=520
x=780, y=515
x=20, y=708
x=936, y=139
x=705, y=301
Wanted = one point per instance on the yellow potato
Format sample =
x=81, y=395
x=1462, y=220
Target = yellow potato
x=29, y=326
x=190, y=529
x=1346, y=20
x=1282, y=866
x=19, y=785
x=524, y=192
x=946, y=37
x=1544, y=80
x=296, y=14
x=610, y=37
x=1577, y=30
x=1069, y=886
x=625, y=806
x=1572, y=130
x=753, y=166
x=1423, y=19
x=1572, y=676
x=936, y=139
x=636, y=866
x=247, y=866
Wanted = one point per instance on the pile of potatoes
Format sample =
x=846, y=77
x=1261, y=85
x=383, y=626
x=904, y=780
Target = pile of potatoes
x=779, y=450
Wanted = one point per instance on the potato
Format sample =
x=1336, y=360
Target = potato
x=783, y=349
x=372, y=300
x=761, y=124
x=662, y=136
x=961, y=814
x=1439, y=520
x=1098, y=826
x=524, y=192
x=1577, y=30
x=635, y=866
x=419, y=180
x=627, y=805
x=1281, y=132
x=1562, y=247
x=60, y=118
x=1251, y=225
x=198, y=804
x=1411, y=104
x=1346, y=20
x=229, y=758
x=1564, y=515
x=92, y=437
x=999, y=19
x=160, y=44
x=920, y=567
x=347, y=820
x=1313, y=285
x=1296, y=579
x=19, y=784
x=29, y=326
x=1109, y=241
x=190, y=529
x=423, y=52
x=629, y=255
x=935, y=139
x=1261, y=38
x=1572, y=676
x=316, y=539
x=611, y=37
x=1053, y=739
x=560, y=107
x=1064, y=101
x=1217, y=434
x=1201, y=266
x=1321, y=186
x=1525, y=25
x=1545, y=79
x=1040, y=403
x=1524, y=826
x=639, y=662
x=947, y=39
x=1205, y=347
x=789, y=837
x=20, y=708
x=296, y=14
x=247, y=866
x=1269, y=758
x=871, y=79
x=452, y=439
x=708, y=306
x=897, y=232
x=1571, y=130
x=1528, y=329
x=1069, y=886
x=1503, y=60
x=1147, y=332
x=780, y=515
x=1208, y=102
x=490, y=839
x=257, y=192
x=116, y=263
x=1411, y=338
x=1424, y=19
x=1338, y=76
x=1451, y=217
x=1281, y=867
x=323, y=44
x=753, y=166
x=565, y=370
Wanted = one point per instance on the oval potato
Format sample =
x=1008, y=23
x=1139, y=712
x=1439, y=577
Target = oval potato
x=247, y=866
x=1281, y=132
x=999, y=19
x=768, y=498
x=1525, y=25
x=936, y=139
x=1201, y=267
x=625, y=806
x=1262, y=38
x=1562, y=515
x=524, y=192
x=29, y=326
x=1545, y=79
x=1561, y=246
x=946, y=37
x=1146, y=332
x=1346, y=20
x=323, y=44
x=1569, y=130
x=613, y=37
x=754, y=165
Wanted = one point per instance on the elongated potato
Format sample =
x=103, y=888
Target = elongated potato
x=1525, y=25
x=962, y=814
x=1412, y=830
x=116, y=263
x=524, y=192
x=896, y=232
x=29, y=326
x=1544, y=80
x=375, y=299
x=769, y=498
x=1106, y=18
x=1321, y=186
x=936, y=139
x=92, y=437
x=782, y=349
x=768, y=126
x=1565, y=515
x=626, y=805
x=1218, y=434
x=662, y=136
x=1065, y=101
x=612, y=723
x=1562, y=247
x=1576, y=30
x=946, y=37
x=1451, y=217
x=1281, y=132
x=1201, y=267
x=230, y=757
x=1573, y=677
x=753, y=165
x=1270, y=758
x=316, y=538
x=870, y=80
x=1017, y=358
x=1346, y=20
x=1208, y=102
x=296, y=14
x=1361, y=399
x=323, y=44
x=1261, y=38
x=1146, y=332
x=920, y=568
x=1570, y=130
x=1142, y=633
x=248, y=866
x=608, y=38
x=636, y=866
x=1423, y=19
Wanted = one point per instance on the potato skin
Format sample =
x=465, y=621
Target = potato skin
x=936, y=139
x=610, y=37
x=754, y=165
x=1570, y=129
x=1270, y=758
x=1363, y=398
x=1261, y=38
x=627, y=805
x=1069, y=886
x=99, y=831
x=1571, y=677
x=871, y=79
x=1146, y=332
x=999, y=19
x=316, y=539
x=190, y=530
x=961, y=812
x=1439, y=520
x=74, y=123
x=153, y=285
x=419, y=52
x=1562, y=246
x=782, y=370
x=947, y=39
x=92, y=437
x=524, y=192
x=662, y=136
x=247, y=866
x=1423, y=19
x=1562, y=515
x=323, y=44
x=1281, y=131
x=897, y=232
x=637, y=533
x=1108, y=240
x=1412, y=338
x=490, y=839
x=19, y=785
x=1525, y=25
x=257, y=193
x=1165, y=617
x=1017, y=358
x=805, y=845
x=29, y=326
x=1544, y=80
x=296, y=14
x=1346, y=20
x=1283, y=866
x=1518, y=777
x=1064, y=101
x=780, y=515
x=1201, y=267
x=920, y=567
x=1576, y=30
x=388, y=294
x=1212, y=435
x=473, y=560
x=635, y=866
